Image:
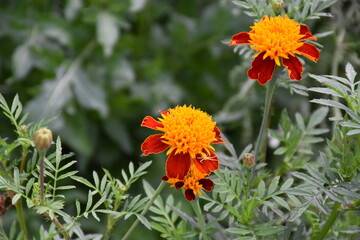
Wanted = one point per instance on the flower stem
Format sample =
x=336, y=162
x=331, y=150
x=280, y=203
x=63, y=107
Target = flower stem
x=328, y=224
x=196, y=206
x=20, y=214
x=59, y=226
x=41, y=157
x=268, y=98
x=145, y=210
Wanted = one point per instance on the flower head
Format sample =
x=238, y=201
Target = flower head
x=43, y=139
x=193, y=182
x=187, y=134
x=277, y=40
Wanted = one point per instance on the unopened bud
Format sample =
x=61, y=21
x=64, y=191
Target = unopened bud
x=43, y=139
x=277, y=5
x=249, y=160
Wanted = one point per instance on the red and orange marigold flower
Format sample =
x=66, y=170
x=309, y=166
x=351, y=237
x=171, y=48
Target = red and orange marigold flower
x=187, y=135
x=277, y=40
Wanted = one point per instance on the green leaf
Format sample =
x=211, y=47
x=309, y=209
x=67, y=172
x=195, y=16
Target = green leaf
x=261, y=189
x=345, y=192
x=281, y=202
x=316, y=174
x=96, y=179
x=299, y=211
x=270, y=230
x=15, y=198
x=300, y=121
x=308, y=179
x=273, y=185
x=317, y=117
x=29, y=185
x=83, y=181
x=280, y=151
x=238, y=231
x=350, y=72
x=287, y=184
x=333, y=146
x=297, y=191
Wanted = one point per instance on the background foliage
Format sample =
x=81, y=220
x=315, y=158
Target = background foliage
x=99, y=67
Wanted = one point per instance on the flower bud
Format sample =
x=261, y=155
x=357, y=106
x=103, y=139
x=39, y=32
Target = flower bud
x=249, y=160
x=277, y=5
x=43, y=139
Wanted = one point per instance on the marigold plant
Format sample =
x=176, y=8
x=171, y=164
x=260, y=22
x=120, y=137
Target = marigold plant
x=277, y=40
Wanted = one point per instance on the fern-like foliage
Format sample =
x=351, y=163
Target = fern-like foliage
x=340, y=88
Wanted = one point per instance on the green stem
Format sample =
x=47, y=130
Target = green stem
x=109, y=227
x=333, y=215
x=196, y=206
x=268, y=98
x=146, y=209
x=20, y=214
x=41, y=157
x=59, y=226
x=23, y=158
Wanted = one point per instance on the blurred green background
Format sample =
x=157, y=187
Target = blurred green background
x=100, y=67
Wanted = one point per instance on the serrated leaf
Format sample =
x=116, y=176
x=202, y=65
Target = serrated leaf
x=273, y=185
x=287, y=184
x=238, y=231
x=317, y=117
x=316, y=174
x=297, y=191
x=350, y=72
x=300, y=121
x=261, y=189
x=325, y=164
x=299, y=211
x=320, y=205
x=353, y=132
x=307, y=179
x=281, y=202
x=29, y=185
x=346, y=192
x=270, y=230
x=83, y=181
x=325, y=90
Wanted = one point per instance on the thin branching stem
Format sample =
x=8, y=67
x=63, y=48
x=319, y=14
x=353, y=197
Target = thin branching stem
x=145, y=210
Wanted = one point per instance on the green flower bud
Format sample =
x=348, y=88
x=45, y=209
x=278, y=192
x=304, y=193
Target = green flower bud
x=43, y=139
x=248, y=160
x=277, y=5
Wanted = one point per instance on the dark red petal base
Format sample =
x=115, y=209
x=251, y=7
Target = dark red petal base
x=177, y=165
x=207, y=184
x=262, y=69
x=189, y=195
x=294, y=67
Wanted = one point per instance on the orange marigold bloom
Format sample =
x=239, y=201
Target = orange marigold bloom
x=277, y=40
x=187, y=134
x=193, y=182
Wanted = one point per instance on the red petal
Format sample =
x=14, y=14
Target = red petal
x=164, y=112
x=177, y=165
x=262, y=69
x=189, y=194
x=179, y=185
x=208, y=164
x=310, y=51
x=240, y=38
x=207, y=184
x=153, y=144
x=294, y=67
x=304, y=30
x=217, y=136
x=150, y=122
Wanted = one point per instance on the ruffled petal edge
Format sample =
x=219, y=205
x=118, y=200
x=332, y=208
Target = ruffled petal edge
x=261, y=69
x=177, y=165
x=310, y=51
x=150, y=122
x=240, y=38
x=294, y=67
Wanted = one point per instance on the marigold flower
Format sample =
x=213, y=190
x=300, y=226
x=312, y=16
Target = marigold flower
x=187, y=134
x=277, y=38
x=193, y=182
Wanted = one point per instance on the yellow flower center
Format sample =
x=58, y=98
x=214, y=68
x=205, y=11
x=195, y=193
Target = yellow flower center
x=276, y=36
x=187, y=130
